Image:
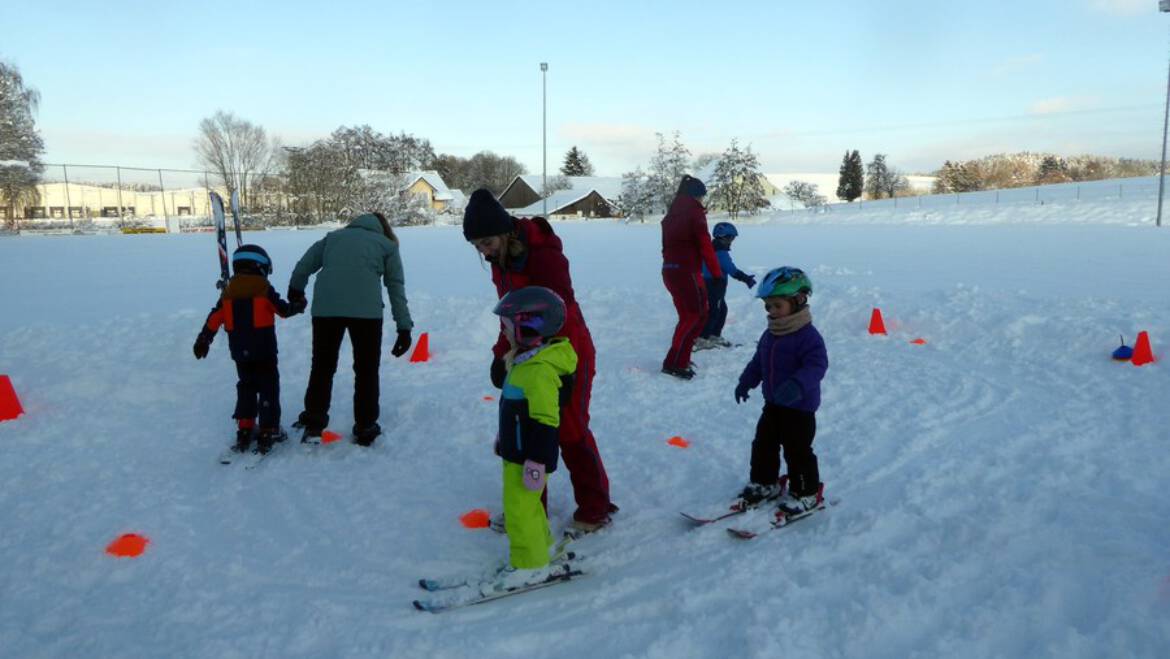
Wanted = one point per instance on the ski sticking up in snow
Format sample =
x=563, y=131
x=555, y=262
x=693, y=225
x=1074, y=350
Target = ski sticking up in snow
x=235, y=202
x=738, y=507
x=217, y=215
x=780, y=520
x=464, y=594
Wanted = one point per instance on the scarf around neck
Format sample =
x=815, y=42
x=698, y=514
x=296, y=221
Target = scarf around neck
x=790, y=323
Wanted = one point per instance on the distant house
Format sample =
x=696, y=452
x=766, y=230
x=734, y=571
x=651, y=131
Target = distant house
x=587, y=196
x=431, y=187
x=564, y=204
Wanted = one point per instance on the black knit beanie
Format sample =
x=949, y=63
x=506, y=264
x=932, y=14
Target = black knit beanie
x=484, y=216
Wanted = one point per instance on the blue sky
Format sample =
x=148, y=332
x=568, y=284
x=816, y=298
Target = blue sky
x=127, y=82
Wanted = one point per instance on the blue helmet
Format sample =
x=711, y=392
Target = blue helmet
x=784, y=281
x=255, y=256
x=724, y=230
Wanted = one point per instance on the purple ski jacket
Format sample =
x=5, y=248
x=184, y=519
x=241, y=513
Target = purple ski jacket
x=800, y=356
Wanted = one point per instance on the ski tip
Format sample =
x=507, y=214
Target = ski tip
x=418, y=605
x=741, y=534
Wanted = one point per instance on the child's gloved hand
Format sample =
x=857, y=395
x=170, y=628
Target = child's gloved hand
x=787, y=392
x=741, y=393
x=201, y=347
x=402, y=344
x=750, y=280
x=498, y=373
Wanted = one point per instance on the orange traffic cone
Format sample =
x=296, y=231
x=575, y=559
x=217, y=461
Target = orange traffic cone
x=422, y=351
x=1141, y=350
x=9, y=404
x=876, y=325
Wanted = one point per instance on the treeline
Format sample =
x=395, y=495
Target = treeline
x=353, y=169
x=1026, y=169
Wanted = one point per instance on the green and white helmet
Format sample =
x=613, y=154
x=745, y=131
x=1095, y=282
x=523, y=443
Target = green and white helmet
x=784, y=281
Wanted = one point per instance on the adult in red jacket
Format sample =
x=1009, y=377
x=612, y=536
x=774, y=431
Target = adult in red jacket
x=528, y=253
x=686, y=244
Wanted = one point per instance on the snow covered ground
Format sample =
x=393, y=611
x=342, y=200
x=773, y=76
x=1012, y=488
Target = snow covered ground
x=1002, y=486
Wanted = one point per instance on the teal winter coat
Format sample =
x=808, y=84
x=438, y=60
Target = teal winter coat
x=354, y=262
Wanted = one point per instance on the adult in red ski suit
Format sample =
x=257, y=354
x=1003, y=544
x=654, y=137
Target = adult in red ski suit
x=686, y=244
x=527, y=253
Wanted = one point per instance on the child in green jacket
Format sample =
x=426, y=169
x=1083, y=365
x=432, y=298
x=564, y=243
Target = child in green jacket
x=540, y=369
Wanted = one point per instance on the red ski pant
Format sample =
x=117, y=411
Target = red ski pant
x=690, y=300
x=579, y=448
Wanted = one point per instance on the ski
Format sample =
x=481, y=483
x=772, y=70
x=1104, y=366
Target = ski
x=781, y=520
x=217, y=216
x=440, y=604
x=738, y=507
x=560, y=556
x=235, y=203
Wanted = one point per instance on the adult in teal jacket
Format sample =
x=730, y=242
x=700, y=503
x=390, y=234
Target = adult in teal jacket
x=352, y=265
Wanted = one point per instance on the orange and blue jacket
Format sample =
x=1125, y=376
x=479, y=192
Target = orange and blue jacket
x=247, y=311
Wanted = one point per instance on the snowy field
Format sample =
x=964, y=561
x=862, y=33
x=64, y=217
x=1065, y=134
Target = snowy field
x=1003, y=487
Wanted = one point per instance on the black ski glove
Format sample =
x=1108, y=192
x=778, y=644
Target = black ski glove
x=402, y=344
x=787, y=392
x=750, y=280
x=741, y=393
x=297, y=300
x=498, y=373
x=202, y=346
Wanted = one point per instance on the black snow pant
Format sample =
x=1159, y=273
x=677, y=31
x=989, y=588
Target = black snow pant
x=365, y=335
x=793, y=430
x=258, y=392
x=716, y=307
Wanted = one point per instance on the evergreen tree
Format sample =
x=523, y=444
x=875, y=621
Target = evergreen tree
x=851, y=179
x=20, y=144
x=736, y=186
x=876, y=175
x=577, y=163
x=1052, y=170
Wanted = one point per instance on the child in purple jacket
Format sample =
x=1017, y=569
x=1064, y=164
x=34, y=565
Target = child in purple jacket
x=790, y=361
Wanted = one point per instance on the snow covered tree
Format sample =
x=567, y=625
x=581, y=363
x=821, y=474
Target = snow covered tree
x=20, y=144
x=851, y=179
x=637, y=196
x=736, y=186
x=577, y=163
x=806, y=193
x=666, y=169
x=366, y=148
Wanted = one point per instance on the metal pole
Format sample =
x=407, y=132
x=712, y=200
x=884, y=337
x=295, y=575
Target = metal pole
x=544, y=133
x=121, y=221
x=1162, y=169
x=68, y=202
x=162, y=194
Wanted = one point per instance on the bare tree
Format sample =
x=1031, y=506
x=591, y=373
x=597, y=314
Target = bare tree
x=236, y=150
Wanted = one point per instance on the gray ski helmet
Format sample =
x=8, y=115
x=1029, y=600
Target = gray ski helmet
x=253, y=254
x=724, y=230
x=534, y=309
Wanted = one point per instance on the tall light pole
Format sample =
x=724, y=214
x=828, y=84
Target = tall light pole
x=544, y=135
x=1163, y=6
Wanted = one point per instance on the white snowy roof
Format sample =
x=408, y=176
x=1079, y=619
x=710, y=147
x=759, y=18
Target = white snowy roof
x=556, y=201
x=609, y=187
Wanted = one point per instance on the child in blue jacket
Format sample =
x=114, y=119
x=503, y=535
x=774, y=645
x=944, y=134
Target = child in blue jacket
x=790, y=361
x=711, y=337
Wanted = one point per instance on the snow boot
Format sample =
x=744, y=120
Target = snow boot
x=243, y=440
x=366, y=436
x=268, y=437
x=703, y=343
x=511, y=578
x=755, y=493
x=799, y=505
x=680, y=373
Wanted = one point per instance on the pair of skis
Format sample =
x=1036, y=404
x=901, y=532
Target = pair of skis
x=778, y=518
x=218, y=216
